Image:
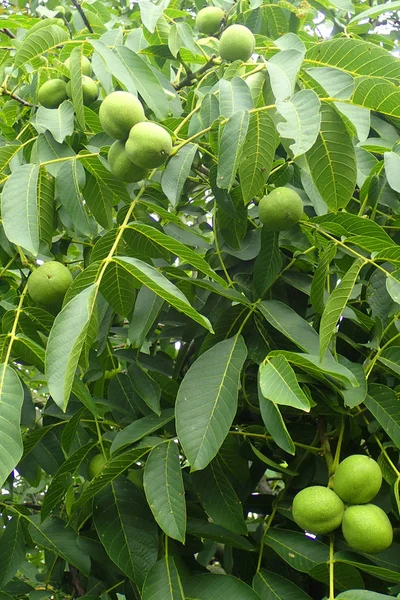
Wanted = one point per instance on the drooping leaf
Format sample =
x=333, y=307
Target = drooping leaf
x=257, y=155
x=126, y=529
x=207, y=400
x=163, y=582
x=332, y=160
x=271, y=586
x=336, y=304
x=66, y=341
x=19, y=208
x=232, y=140
x=219, y=498
x=11, y=398
x=278, y=383
x=163, y=485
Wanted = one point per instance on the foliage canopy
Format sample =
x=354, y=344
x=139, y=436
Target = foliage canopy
x=217, y=367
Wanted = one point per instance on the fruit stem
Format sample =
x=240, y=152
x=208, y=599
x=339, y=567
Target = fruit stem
x=338, y=448
x=326, y=447
x=331, y=567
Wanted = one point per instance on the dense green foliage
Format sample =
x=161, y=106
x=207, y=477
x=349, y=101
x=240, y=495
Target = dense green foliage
x=203, y=369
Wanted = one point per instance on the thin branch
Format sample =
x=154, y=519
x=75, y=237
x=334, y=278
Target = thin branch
x=5, y=92
x=192, y=76
x=8, y=32
x=82, y=13
x=76, y=584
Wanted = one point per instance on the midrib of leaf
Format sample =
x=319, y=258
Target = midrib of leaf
x=217, y=397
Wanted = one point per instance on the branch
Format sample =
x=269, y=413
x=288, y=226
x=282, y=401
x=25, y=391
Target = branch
x=192, y=76
x=84, y=17
x=5, y=92
x=76, y=584
x=8, y=32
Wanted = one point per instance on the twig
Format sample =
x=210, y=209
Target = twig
x=5, y=92
x=76, y=584
x=84, y=17
x=192, y=76
x=9, y=33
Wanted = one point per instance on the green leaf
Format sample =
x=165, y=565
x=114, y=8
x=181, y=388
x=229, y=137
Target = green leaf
x=383, y=403
x=317, y=293
x=12, y=549
x=11, y=398
x=353, y=559
x=150, y=14
x=112, y=469
x=290, y=324
x=355, y=57
x=219, y=498
x=126, y=529
x=302, y=120
x=140, y=428
x=146, y=309
x=66, y=341
x=19, y=208
x=332, y=160
x=390, y=357
x=39, y=42
x=275, y=424
x=278, y=383
x=206, y=403
x=177, y=172
x=257, y=155
x=163, y=581
x=55, y=535
x=62, y=479
x=68, y=181
x=299, y=551
x=270, y=586
x=163, y=485
x=272, y=464
x=145, y=387
x=230, y=148
x=268, y=262
x=211, y=531
x=99, y=200
x=104, y=178
x=59, y=121
x=283, y=69
x=336, y=304
x=119, y=288
x=361, y=595
x=45, y=206
x=214, y=587
x=75, y=66
x=146, y=81
x=374, y=11
x=184, y=253
x=234, y=96
x=160, y=285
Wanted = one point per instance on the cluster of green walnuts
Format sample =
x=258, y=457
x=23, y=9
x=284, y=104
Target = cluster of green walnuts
x=365, y=527
x=54, y=91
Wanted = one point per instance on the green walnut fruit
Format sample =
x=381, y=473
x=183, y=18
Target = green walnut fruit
x=86, y=65
x=209, y=19
x=48, y=284
x=366, y=528
x=52, y=93
x=317, y=509
x=90, y=91
x=119, y=112
x=148, y=145
x=96, y=465
x=358, y=479
x=121, y=165
x=280, y=209
x=236, y=43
